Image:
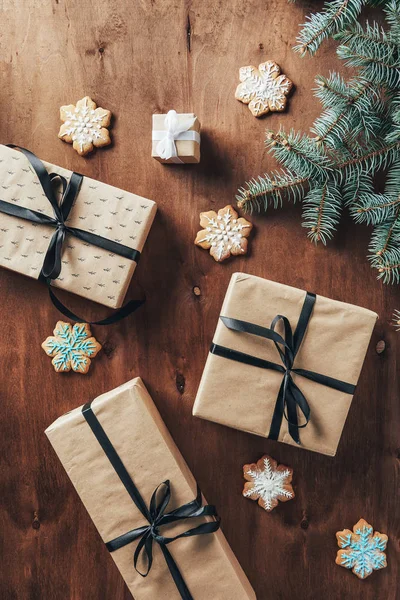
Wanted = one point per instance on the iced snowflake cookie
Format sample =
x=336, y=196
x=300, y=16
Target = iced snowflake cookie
x=71, y=347
x=85, y=125
x=361, y=550
x=263, y=89
x=268, y=482
x=224, y=234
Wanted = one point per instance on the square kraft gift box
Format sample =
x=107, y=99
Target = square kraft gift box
x=127, y=419
x=100, y=209
x=247, y=384
x=176, y=138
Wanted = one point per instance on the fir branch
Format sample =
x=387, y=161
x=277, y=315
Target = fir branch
x=299, y=154
x=374, y=208
x=267, y=190
x=371, y=50
x=392, y=13
x=334, y=17
x=388, y=266
x=322, y=208
x=355, y=186
x=373, y=160
x=385, y=240
x=372, y=36
x=396, y=320
x=394, y=133
x=351, y=109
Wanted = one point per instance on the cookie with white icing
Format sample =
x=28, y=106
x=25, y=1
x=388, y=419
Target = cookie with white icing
x=268, y=482
x=264, y=89
x=72, y=347
x=224, y=234
x=85, y=125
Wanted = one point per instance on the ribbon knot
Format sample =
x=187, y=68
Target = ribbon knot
x=290, y=398
x=157, y=517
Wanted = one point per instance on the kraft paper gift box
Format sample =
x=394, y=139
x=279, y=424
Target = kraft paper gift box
x=133, y=425
x=249, y=397
x=176, y=138
x=87, y=270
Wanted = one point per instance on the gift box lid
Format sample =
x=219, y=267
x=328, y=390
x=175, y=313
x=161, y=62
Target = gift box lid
x=102, y=209
x=244, y=396
x=147, y=450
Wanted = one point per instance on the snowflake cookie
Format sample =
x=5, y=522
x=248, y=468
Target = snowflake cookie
x=85, y=125
x=362, y=550
x=263, y=89
x=224, y=234
x=268, y=482
x=71, y=347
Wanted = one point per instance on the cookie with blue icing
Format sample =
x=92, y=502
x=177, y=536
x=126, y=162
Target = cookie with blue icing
x=361, y=550
x=72, y=347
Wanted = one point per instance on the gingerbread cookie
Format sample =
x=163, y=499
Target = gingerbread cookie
x=362, y=550
x=263, y=89
x=71, y=347
x=268, y=482
x=85, y=125
x=224, y=234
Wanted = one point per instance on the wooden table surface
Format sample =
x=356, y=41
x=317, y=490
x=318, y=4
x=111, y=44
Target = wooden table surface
x=138, y=58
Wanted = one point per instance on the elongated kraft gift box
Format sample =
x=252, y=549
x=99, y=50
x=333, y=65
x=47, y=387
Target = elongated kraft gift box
x=87, y=270
x=146, y=448
x=244, y=396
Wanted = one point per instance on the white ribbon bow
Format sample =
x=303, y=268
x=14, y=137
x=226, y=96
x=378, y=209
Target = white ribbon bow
x=175, y=129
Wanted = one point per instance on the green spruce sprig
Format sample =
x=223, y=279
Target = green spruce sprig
x=334, y=17
x=356, y=136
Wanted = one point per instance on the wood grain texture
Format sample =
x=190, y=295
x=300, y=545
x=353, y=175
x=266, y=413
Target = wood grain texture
x=136, y=58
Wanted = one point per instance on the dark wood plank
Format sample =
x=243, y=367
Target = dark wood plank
x=136, y=58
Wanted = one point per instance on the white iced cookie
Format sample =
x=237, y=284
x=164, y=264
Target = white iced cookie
x=267, y=482
x=263, y=89
x=85, y=126
x=224, y=234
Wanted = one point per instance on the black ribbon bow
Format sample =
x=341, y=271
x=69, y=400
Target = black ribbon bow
x=52, y=262
x=156, y=514
x=290, y=397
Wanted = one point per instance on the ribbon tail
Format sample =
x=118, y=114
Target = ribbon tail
x=176, y=574
x=295, y=398
x=126, y=538
x=292, y=418
x=202, y=529
x=278, y=414
x=157, y=508
x=166, y=149
x=52, y=263
x=145, y=543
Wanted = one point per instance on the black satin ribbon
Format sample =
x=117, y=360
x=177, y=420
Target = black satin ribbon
x=290, y=396
x=156, y=514
x=52, y=262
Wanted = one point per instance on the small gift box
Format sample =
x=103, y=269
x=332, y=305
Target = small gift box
x=141, y=496
x=284, y=363
x=176, y=138
x=86, y=235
